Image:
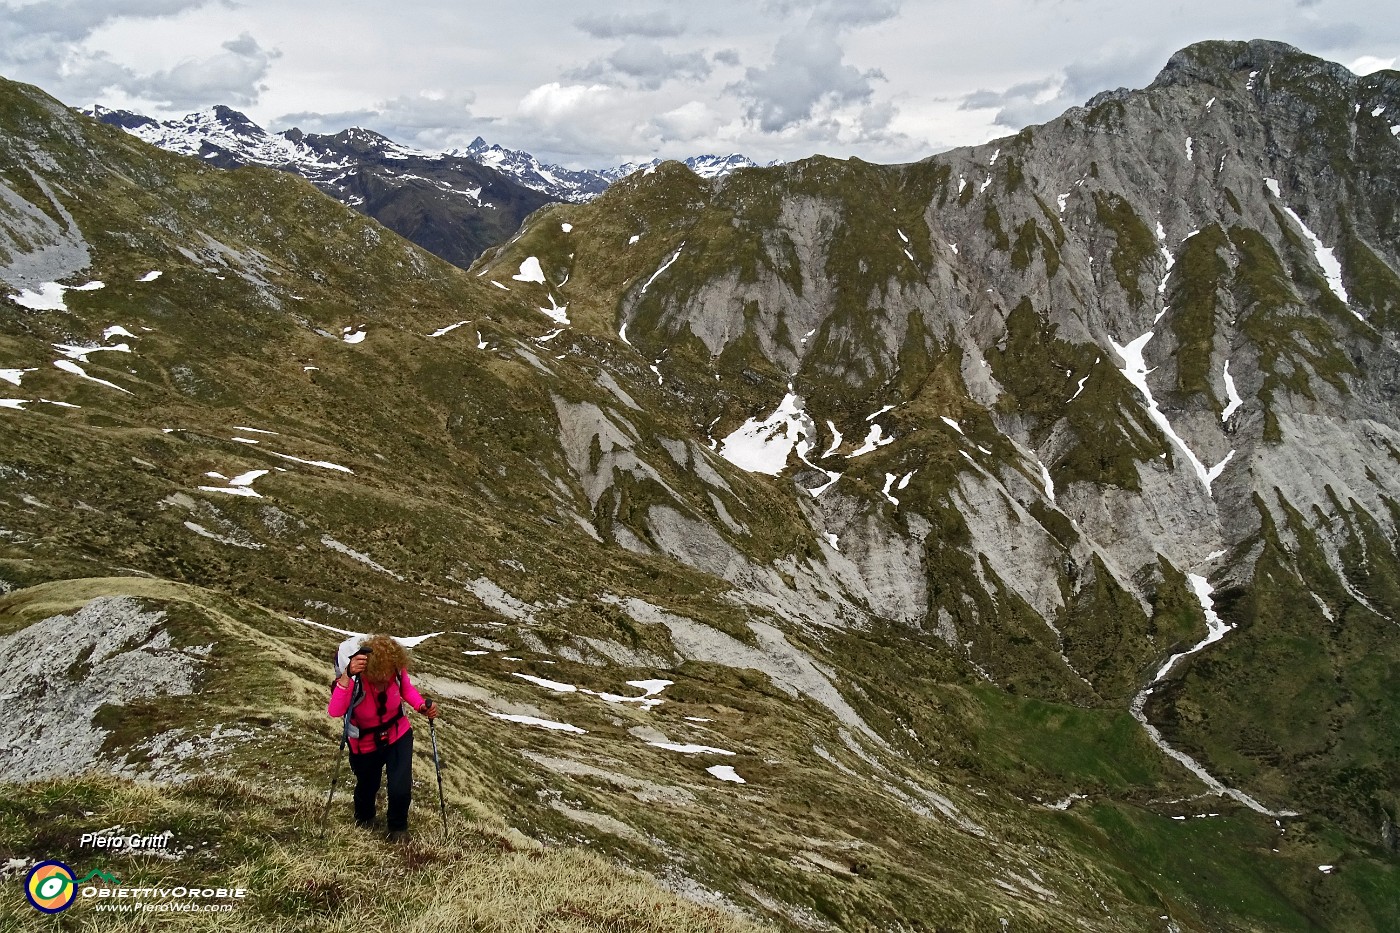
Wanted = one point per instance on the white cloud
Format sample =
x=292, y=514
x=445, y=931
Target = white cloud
x=49, y=42
x=233, y=76
x=1369, y=64
x=609, y=82
x=688, y=122
x=432, y=119
x=555, y=101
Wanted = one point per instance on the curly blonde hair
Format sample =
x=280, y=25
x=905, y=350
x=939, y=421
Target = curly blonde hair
x=387, y=657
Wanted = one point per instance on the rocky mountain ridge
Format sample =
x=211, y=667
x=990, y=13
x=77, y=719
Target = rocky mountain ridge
x=1019, y=525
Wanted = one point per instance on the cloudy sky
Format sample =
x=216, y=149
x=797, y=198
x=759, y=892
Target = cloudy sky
x=591, y=84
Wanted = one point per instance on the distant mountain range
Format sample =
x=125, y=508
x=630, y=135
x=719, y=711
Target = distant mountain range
x=454, y=203
x=577, y=186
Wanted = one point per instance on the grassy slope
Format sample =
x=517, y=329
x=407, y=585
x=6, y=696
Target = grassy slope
x=481, y=876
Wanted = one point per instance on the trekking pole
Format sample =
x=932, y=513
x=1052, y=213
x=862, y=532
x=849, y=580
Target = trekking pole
x=442, y=802
x=355, y=698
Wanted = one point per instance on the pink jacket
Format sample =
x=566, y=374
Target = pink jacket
x=366, y=715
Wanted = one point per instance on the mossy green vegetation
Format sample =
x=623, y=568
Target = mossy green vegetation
x=1294, y=347
x=1041, y=373
x=1133, y=243
x=1236, y=871
x=1198, y=277
x=1326, y=741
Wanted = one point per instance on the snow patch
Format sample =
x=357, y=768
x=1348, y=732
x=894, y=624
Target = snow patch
x=1325, y=256
x=49, y=297
x=68, y=366
x=690, y=749
x=13, y=376
x=548, y=684
x=80, y=351
x=1215, y=628
x=1136, y=371
x=541, y=723
x=1047, y=480
x=323, y=464
x=664, y=266
x=448, y=328
x=725, y=773
x=835, y=438
x=1078, y=389
x=247, y=491
x=1231, y=393
x=151, y=276
x=873, y=440
x=764, y=446
x=556, y=312
x=530, y=271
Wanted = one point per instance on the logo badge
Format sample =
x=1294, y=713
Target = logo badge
x=50, y=887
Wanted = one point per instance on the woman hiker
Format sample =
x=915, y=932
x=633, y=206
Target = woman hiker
x=381, y=738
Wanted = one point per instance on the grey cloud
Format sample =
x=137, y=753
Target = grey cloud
x=315, y=122
x=807, y=70
x=645, y=63
x=650, y=64
x=76, y=19
x=728, y=57
x=839, y=13
x=652, y=25
x=1323, y=37
x=1033, y=102
x=983, y=100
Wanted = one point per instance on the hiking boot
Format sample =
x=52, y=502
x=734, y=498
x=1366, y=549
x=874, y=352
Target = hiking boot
x=397, y=836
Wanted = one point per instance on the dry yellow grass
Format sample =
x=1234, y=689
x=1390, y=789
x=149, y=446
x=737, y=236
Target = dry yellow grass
x=480, y=877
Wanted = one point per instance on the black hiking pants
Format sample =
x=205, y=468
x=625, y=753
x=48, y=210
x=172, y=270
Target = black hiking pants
x=396, y=759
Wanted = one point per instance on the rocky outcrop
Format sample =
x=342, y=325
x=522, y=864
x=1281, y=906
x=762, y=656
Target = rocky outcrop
x=57, y=674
